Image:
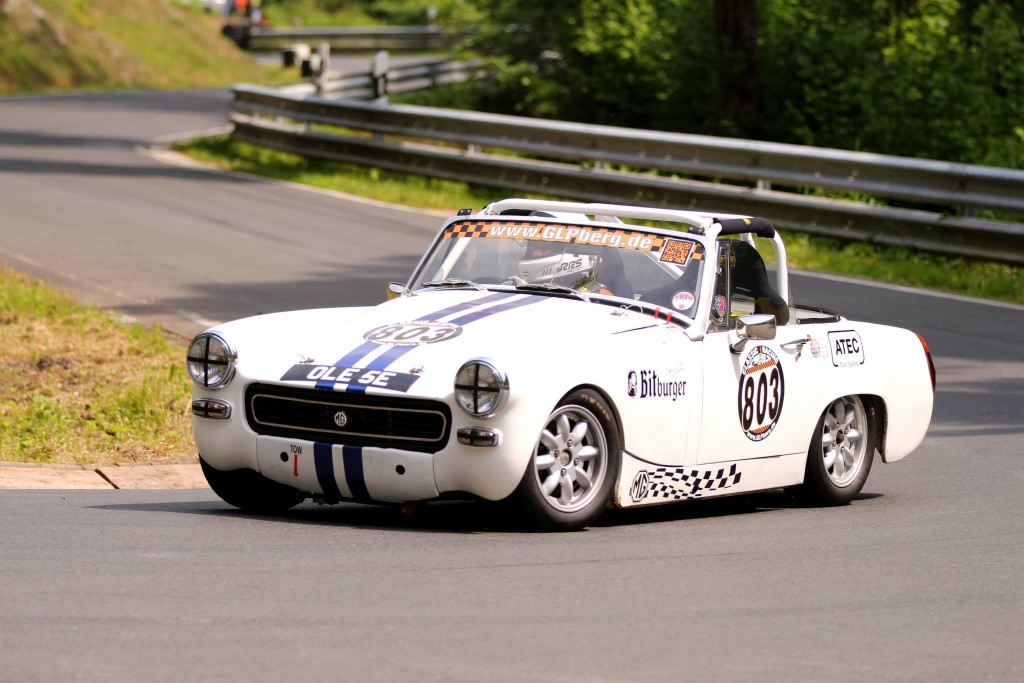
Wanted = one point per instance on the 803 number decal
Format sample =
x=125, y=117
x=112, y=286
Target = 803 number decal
x=762, y=389
x=412, y=334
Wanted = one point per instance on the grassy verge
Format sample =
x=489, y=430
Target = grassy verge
x=103, y=44
x=897, y=265
x=77, y=386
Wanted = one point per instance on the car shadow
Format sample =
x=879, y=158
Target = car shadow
x=473, y=516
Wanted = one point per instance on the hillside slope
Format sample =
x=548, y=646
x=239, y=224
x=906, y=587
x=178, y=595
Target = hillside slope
x=54, y=44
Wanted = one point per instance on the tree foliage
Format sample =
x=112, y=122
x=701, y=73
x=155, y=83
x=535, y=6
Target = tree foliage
x=928, y=78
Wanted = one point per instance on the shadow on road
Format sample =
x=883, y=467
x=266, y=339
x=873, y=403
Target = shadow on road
x=471, y=516
x=360, y=284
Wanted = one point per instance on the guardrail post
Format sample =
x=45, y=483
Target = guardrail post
x=325, y=67
x=379, y=69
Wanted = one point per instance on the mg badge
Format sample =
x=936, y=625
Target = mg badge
x=641, y=484
x=340, y=418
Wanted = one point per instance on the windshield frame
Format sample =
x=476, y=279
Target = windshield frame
x=652, y=242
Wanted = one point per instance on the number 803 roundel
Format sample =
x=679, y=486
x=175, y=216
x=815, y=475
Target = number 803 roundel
x=414, y=333
x=761, y=391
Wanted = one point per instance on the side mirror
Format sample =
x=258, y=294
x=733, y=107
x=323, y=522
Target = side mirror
x=759, y=327
x=397, y=289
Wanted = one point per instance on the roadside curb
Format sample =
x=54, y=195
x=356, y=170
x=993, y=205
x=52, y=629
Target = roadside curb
x=14, y=475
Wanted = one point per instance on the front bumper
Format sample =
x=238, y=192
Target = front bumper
x=347, y=472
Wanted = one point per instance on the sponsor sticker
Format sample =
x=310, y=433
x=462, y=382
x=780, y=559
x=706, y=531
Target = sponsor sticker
x=382, y=379
x=648, y=384
x=677, y=251
x=413, y=334
x=846, y=348
x=552, y=232
x=682, y=301
x=815, y=347
x=720, y=306
x=761, y=392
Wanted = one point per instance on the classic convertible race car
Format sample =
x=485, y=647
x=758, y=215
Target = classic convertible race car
x=555, y=354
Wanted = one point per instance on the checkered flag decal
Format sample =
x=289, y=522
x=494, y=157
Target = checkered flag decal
x=683, y=484
x=478, y=228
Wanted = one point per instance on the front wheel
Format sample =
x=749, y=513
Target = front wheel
x=571, y=476
x=249, y=490
x=840, y=455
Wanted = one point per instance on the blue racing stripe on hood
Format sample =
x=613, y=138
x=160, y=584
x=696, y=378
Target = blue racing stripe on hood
x=358, y=353
x=385, y=359
x=394, y=353
x=477, y=315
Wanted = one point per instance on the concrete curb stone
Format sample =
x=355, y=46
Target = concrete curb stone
x=14, y=475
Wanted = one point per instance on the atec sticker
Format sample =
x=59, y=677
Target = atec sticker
x=762, y=389
x=846, y=348
x=682, y=300
x=414, y=333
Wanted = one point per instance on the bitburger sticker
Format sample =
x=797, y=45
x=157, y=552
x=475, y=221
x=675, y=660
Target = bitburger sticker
x=762, y=390
x=647, y=384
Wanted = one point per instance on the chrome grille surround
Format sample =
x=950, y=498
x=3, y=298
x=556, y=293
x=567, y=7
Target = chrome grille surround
x=352, y=419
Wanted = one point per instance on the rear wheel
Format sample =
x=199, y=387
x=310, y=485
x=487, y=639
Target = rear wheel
x=249, y=490
x=841, y=452
x=571, y=476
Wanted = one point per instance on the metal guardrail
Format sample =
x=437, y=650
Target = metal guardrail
x=784, y=183
x=392, y=38
x=407, y=78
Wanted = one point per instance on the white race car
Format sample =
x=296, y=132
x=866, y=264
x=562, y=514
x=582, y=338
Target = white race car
x=554, y=354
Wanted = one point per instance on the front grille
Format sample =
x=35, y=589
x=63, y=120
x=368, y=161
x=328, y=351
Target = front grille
x=350, y=419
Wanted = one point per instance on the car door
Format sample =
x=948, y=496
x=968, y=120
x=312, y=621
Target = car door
x=750, y=394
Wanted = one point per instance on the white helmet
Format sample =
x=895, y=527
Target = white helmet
x=571, y=270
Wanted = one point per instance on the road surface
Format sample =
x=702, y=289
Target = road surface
x=917, y=580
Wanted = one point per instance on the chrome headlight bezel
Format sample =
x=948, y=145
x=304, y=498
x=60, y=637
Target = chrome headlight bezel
x=481, y=388
x=211, y=370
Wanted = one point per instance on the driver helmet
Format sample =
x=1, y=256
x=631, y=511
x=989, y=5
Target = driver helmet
x=549, y=262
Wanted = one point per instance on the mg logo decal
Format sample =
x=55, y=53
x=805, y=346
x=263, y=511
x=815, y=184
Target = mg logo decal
x=638, y=491
x=340, y=418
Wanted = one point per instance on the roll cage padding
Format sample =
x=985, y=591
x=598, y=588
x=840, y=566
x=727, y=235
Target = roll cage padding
x=761, y=227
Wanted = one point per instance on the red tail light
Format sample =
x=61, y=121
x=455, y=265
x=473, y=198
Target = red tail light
x=928, y=355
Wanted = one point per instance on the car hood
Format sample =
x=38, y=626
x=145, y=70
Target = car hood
x=415, y=344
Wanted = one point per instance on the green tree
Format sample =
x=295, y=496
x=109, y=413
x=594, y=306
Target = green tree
x=928, y=78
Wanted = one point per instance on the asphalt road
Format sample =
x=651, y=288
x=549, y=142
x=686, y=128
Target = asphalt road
x=917, y=580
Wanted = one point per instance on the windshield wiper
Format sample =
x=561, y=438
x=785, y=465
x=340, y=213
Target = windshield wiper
x=550, y=287
x=454, y=282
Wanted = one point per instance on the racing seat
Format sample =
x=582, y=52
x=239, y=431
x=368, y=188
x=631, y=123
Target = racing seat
x=749, y=277
x=611, y=272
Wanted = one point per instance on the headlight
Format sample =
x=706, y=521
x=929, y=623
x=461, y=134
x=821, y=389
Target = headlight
x=211, y=362
x=480, y=388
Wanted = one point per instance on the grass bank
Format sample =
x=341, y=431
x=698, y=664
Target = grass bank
x=77, y=386
x=104, y=44
x=896, y=265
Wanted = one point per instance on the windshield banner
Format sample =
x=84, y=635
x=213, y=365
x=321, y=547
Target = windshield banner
x=551, y=232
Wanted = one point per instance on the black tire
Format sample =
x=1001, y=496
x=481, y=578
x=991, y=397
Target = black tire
x=250, y=491
x=572, y=473
x=839, y=459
